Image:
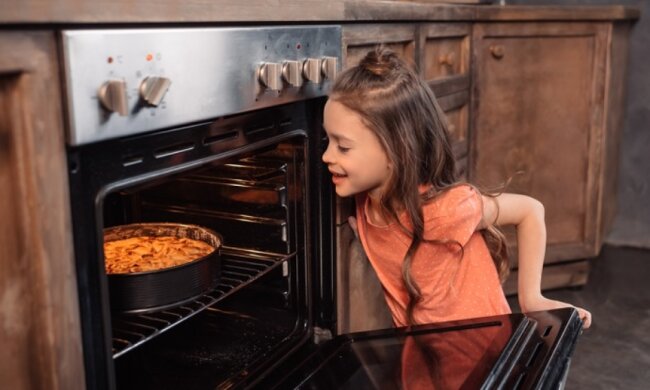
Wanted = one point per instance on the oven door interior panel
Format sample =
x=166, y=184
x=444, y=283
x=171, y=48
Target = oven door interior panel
x=512, y=351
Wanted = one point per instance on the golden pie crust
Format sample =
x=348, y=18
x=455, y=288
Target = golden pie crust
x=148, y=253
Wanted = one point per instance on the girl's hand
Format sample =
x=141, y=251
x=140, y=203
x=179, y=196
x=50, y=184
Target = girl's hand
x=541, y=303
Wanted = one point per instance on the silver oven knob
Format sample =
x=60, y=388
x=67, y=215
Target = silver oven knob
x=329, y=67
x=292, y=73
x=153, y=89
x=270, y=75
x=112, y=95
x=311, y=69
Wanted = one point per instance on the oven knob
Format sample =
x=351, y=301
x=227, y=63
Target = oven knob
x=153, y=89
x=270, y=75
x=311, y=69
x=329, y=67
x=292, y=73
x=112, y=95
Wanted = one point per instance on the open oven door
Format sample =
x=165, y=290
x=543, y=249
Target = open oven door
x=513, y=351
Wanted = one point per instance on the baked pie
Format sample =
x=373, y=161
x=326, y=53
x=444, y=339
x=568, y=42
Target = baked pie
x=150, y=253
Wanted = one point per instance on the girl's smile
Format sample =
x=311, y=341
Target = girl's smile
x=337, y=178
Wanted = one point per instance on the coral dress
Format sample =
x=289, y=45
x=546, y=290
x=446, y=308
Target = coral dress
x=453, y=287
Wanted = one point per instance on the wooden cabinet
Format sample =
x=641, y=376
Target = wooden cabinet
x=546, y=109
x=39, y=330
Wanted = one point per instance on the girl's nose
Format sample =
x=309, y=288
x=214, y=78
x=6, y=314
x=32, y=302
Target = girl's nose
x=327, y=155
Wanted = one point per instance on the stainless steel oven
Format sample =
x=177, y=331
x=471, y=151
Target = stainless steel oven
x=221, y=128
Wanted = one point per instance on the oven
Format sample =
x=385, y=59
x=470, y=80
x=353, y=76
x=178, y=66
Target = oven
x=220, y=128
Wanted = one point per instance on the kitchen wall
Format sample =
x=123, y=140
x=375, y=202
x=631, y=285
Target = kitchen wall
x=632, y=224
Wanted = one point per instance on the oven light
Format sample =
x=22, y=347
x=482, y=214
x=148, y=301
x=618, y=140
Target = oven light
x=149, y=57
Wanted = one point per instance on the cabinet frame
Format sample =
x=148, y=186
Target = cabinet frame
x=41, y=328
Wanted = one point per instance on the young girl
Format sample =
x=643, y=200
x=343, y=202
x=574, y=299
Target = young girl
x=425, y=233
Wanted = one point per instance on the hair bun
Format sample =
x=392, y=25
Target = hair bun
x=381, y=62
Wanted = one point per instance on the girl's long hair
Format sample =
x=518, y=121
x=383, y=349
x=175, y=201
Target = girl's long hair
x=401, y=109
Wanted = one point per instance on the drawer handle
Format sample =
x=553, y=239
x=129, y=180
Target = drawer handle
x=498, y=51
x=447, y=59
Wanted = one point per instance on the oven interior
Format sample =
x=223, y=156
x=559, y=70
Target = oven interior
x=248, y=178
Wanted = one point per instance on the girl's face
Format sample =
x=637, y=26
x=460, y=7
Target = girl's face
x=354, y=155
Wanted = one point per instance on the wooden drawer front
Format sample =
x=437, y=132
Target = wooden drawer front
x=445, y=50
x=456, y=110
x=358, y=40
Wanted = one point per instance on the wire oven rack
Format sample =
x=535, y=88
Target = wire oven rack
x=239, y=268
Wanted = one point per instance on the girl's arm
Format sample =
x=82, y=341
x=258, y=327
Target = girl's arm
x=527, y=214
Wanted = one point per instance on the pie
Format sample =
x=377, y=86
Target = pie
x=149, y=253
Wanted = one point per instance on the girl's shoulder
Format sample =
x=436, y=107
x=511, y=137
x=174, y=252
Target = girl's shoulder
x=459, y=208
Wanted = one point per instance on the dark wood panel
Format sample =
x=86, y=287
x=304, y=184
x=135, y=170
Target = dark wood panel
x=360, y=306
x=418, y=11
x=170, y=11
x=555, y=13
x=40, y=331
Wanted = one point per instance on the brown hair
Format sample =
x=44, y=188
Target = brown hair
x=401, y=109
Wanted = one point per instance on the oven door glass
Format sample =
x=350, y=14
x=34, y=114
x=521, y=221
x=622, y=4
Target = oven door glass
x=513, y=351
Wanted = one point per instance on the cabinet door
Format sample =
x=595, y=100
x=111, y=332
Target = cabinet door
x=538, y=103
x=444, y=64
x=39, y=332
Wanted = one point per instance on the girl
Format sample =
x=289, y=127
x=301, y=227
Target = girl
x=425, y=233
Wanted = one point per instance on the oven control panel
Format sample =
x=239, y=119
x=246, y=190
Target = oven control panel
x=122, y=82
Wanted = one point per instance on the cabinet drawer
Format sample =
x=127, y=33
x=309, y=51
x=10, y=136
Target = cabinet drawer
x=445, y=50
x=358, y=40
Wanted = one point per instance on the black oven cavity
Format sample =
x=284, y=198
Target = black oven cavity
x=254, y=178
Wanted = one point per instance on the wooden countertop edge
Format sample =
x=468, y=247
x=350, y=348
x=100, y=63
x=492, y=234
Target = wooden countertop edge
x=397, y=10
x=71, y=12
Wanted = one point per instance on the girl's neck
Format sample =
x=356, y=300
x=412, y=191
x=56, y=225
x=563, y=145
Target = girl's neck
x=376, y=213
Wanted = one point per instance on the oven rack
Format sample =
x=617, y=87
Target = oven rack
x=239, y=267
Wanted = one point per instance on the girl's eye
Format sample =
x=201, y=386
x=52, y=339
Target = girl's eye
x=343, y=149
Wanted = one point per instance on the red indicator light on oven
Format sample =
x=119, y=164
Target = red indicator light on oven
x=298, y=46
x=109, y=60
x=149, y=57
